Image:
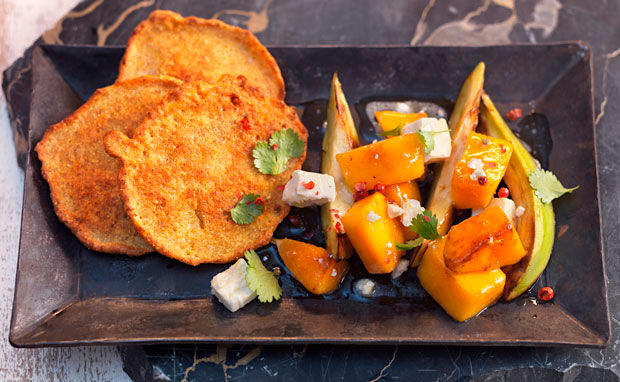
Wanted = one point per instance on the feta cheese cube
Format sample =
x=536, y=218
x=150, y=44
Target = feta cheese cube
x=506, y=204
x=309, y=188
x=231, y=288
x=477, y=165
x=372, y=217
x=443, y=142
x=412, y=208
x=394, y=210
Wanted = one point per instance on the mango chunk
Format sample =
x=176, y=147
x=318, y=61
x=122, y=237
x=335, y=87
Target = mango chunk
x=483, y=242
x=389, y=161
x=461, y=295
x=398, y=193
x=479, y=171
x=373, y=234
x=390, y=120
x=312, y=266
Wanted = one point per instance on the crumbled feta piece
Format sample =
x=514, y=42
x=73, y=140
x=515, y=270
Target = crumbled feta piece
x=334, y=272
x=478, y=166
x=412, y=208
x=365, y=287
x=231, y=288
x=442, y=140
x=519, y=211
x=402, y=107
x=506, y=204
x=389, y=244
x=309, y=188
x=394, y=210
x=401, y=268
x=372, y=217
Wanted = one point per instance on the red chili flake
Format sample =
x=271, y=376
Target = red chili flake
x=387, y=260
x=361, y=186
x=491, y=164
x=337, y=216
x=482, y=180
x=329, y=228
x=275, y=146
x=259, y=201
x=249, y=202
x=333, y=210
x=338, y=227
x=281, y=187
x=514, y=114
x=503, y=192
x=295, y=220
x=309, y=185
x=360, y=195
x=545, y=294
x=503, y=149
x=427, y=218
x=379, y=188
x=316, y=193
x=245, y=123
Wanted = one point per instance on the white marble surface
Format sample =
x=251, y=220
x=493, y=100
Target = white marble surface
x=21, y=22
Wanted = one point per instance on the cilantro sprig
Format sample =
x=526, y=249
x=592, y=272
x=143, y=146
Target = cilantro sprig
x=547, y=186
x=271, y=157
x=394, y=132
x=410, y=244
x=428, y=139
x=247, y=209
x=261, y=281
x=425, y=225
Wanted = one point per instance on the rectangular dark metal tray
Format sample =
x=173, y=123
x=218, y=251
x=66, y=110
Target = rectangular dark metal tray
x=68, y=295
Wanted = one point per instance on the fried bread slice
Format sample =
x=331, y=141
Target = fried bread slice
x=190, y=162
x=83, y=177
x=193, y=48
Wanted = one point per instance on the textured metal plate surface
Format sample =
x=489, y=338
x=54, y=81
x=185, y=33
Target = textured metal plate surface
x=68, y=295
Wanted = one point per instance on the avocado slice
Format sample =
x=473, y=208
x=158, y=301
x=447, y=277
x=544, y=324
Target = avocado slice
x=463, y=120
x=340, y=136
x=536, y=227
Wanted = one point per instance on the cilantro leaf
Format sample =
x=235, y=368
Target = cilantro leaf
x=247, y=209
x=394, y=132
x=271, y=157
x=428, y=139
x=546, y=186
x=410, y=244
x=288, y=143
x=260, y=280
x=425, y=225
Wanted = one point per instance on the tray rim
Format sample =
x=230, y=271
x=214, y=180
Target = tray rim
x=604, y=340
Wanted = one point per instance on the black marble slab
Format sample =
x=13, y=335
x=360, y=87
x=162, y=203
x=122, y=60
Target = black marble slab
x=432, y=22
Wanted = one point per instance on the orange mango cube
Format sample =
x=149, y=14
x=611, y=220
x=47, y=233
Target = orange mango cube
x=479, y=171
x=373, y=234
x=312, y=266
x=389, y=161
x=390, y=120
x=461, y=295
x=483, y=242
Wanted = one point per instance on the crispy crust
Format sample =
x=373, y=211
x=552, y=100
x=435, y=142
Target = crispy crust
x=83, y=178
x=190, y=162
x=193, y=48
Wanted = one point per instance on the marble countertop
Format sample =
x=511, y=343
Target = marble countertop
x=275, y=22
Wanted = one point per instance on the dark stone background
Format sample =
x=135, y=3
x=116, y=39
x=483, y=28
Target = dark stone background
x=376, y=22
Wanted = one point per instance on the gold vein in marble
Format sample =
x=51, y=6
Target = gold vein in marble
x=256, y=22
x=381, y=373
x=219, y=358
x=52, y=36
x=104, y=32
x=608, y=58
